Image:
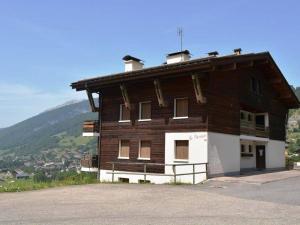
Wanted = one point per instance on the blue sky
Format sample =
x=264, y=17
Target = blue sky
x=45, y=45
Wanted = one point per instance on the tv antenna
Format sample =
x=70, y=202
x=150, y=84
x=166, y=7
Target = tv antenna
x=180, y=34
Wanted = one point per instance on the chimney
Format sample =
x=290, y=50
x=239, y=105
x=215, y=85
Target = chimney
x=237, y=51
x=177, y=57
x=215, y=53
x=132, y=63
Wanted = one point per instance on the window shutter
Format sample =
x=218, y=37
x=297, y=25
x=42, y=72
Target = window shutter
x=124, y=148
x=145, y=149
x=182, y=149
x=146, y=110
x=125, y=113
x=181, y=107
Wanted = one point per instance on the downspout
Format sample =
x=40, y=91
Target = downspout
x=100, y=99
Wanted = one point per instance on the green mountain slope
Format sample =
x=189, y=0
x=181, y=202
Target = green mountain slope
x=293, y=133
x=58, y=129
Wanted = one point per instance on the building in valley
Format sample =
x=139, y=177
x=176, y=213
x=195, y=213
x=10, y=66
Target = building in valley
x=188, y=119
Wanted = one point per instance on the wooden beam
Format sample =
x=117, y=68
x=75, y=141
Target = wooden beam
x=159, y=95
x=197, y=88
x=227, y=67
x=246, y=64
x=125, y=96
x=92, y=102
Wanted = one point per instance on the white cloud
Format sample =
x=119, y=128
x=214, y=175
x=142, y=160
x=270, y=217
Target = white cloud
x=19, y=102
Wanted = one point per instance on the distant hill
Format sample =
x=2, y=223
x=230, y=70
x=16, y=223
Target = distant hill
x=58, y=128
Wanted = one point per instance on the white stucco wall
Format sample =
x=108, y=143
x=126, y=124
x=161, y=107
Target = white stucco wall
x=197, y=154
x=223, y=153
x=275, y=157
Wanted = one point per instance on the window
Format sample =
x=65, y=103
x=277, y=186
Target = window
x=124, y=149
x=253, y=85
x=243, y=148
x=145, y=150
x=181, y=108
x=124, y=113
x=250, y=148
x=256, y=86
x=182, y=150
x=249, y=117
x=242, y=115
x=145, y=111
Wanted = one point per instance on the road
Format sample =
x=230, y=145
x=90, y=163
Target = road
x=214, y=202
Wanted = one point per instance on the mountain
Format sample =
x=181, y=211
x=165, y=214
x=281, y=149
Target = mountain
x=57, y=130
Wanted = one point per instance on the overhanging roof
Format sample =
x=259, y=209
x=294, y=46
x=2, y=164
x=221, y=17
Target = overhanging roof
x=264, y=60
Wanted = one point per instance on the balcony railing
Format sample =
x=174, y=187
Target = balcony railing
x=250, y=128
x=91, y=127
x=89, y=161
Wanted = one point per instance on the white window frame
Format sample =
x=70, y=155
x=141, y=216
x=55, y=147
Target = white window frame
x=181, y=160
x=120, y=157
x=120, y=116
x=140, y=111
x=179, y=117
x=140, y=158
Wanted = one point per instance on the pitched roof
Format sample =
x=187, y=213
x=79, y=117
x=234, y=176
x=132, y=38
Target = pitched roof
x=212, y=63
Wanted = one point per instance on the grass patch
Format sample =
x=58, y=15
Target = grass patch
x=63, y=179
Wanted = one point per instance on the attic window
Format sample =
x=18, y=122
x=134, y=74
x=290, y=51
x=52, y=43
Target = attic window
x=255, y=86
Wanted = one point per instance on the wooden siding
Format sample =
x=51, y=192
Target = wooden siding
x=154, y=131
x=266, y=102
x=227, y=92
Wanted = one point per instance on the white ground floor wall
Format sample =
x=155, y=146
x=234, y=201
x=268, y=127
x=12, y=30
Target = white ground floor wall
x=222, y=152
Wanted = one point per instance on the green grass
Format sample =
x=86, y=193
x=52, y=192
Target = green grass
x=31, y=184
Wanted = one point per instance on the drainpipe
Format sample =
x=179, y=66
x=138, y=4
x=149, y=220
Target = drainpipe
x=99, y=137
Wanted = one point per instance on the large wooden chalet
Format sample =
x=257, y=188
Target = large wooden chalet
x=188, y=119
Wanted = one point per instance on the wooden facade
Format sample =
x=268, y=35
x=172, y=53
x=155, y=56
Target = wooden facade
x=225, y=90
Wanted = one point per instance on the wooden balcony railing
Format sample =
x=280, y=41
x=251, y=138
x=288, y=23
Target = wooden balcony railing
x=91, y=126
x=250, y=128
x=89, y=161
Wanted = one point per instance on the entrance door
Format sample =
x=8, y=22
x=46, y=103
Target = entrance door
x=260, y=157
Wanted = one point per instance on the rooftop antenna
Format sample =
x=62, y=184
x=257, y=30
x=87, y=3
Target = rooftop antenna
x=180, y=34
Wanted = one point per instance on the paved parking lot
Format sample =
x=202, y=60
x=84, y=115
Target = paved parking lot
x=215, y=202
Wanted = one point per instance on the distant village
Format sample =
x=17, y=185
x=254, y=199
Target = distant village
x=23, y=167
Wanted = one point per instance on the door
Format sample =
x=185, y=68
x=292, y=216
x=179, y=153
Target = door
x=260, y=157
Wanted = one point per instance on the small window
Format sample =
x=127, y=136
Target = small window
x=124, y=113
x=124, y=149
x=182, y=150
x=250, y=148
x=145, y=110
x=181, y=107
x=242, y=148
x=145, y=150
x=256, y=86
x=250, y=118
x=253, y=85
x=242, y=115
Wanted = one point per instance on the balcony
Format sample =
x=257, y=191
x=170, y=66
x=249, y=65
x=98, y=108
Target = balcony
x=89, y=163
x=253, y=129
x=90, y=128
